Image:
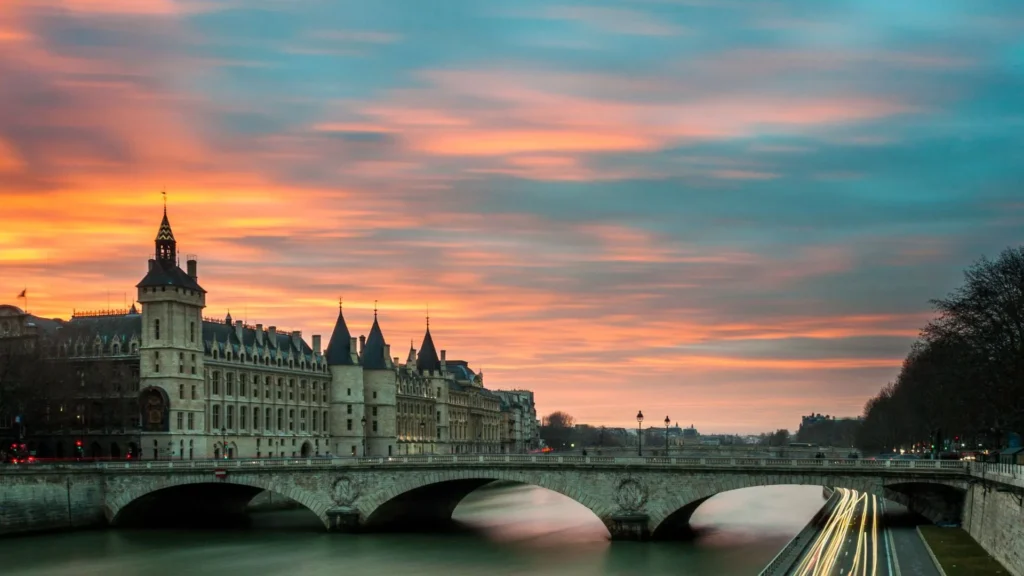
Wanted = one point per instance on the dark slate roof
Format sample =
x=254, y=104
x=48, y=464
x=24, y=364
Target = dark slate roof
x=373, y=350
x=427, y=359
x=460, y=370
x=163, y=273
x=339, y=349
x=223, y=338
x=106, y=327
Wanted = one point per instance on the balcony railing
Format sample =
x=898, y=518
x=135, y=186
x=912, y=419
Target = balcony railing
x=534, y=460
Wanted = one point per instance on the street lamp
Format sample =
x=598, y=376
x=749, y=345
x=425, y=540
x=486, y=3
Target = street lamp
x=224, y=443
x=639, y=434
x=666, y=435
x=364, y=434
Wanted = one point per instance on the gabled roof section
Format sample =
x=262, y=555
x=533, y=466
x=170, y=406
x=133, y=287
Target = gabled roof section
x=373, y=350
x=339, y=348
x=427, y=359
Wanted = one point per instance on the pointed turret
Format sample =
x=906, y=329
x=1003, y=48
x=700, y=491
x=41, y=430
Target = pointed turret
x=410, y=360
x=339, y=349
x=374, y=356
x=166, y=247
x=427, y=359
x=163, y=269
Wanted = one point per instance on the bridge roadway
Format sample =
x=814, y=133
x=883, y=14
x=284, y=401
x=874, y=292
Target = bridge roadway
x=636, y=497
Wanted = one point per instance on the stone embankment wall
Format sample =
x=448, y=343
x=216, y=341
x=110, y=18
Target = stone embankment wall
x=38, y=502
x=996, y=521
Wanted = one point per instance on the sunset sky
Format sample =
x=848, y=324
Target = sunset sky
x=729, y=212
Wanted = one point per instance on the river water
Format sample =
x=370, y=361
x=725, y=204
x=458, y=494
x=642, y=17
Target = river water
x=516, y=530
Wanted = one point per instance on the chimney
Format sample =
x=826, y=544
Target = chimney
x=151, y=264
x=272, y=334
x=387, y=351
x=316, y=343
x=192, y=268
x=238, y=330
x=259, y=334
x=297, y=339
x=444, y=365
x=362, y=344
x=352, y=347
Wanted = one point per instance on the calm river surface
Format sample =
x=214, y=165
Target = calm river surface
x=516, y=530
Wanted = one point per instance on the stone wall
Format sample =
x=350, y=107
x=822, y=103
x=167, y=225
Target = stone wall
x=37, y=502
x=996, y=520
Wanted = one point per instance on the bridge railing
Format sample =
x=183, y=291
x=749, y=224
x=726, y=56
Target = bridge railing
x=549, y=460
x=1014, y=471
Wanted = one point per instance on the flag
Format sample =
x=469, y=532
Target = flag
x=23, y=293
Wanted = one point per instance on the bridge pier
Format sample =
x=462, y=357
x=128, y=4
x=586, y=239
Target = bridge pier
x=630, y=527
x=343, y=520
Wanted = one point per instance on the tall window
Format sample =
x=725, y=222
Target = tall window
x=230, y=383
x=280, y=419
x=323, y=421
x=266, y=419
x=191, y=421
x=314, y=421
x=216, y=417
x=181, y=418
x=181, y=393
x=231, y=416
x=256, y=419
x=241, y=418
x=291, y=420
x=156, y=361
x=156, y=329
x=302, y=420
x=192, y=331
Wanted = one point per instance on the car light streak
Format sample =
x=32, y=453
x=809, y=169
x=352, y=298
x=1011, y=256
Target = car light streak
x=852, y=524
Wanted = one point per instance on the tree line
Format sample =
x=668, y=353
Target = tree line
x=963, y=381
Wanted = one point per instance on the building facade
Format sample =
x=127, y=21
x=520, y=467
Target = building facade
x=167, y=382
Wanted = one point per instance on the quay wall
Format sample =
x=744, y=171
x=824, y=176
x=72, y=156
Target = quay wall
x=995, y=519
x=57, y=501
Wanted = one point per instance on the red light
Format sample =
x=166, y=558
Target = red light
x=78, y=442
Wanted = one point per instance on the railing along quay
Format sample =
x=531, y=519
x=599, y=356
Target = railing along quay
x=542, y=460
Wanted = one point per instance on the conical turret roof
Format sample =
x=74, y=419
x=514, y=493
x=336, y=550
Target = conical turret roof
x=339, y=349
x=427, y=359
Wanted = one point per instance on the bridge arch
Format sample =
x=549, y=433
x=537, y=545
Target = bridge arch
x=936, y=499
x=200, y=492
x=429, y=500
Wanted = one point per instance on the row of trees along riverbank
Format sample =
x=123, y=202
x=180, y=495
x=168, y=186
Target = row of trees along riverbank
x=963, y=381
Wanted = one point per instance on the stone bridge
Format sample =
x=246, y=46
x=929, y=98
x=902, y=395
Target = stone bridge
x=636, y=498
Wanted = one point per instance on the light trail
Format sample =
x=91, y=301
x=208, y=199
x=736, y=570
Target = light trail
x=855, y=516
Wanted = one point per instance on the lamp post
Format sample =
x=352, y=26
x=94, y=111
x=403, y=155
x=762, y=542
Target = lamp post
x=363, y=421
x=639, y=433
x=224, y=443
x=666, y=435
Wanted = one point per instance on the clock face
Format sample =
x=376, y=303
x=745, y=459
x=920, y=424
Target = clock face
x=5, y=327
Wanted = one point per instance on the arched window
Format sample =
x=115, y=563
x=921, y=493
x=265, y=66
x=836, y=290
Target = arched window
x=156, y=329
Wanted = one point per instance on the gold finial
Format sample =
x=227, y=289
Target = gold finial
x=374, y=309
x=341, y=303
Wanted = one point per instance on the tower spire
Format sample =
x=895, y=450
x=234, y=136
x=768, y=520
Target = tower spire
x=166, y=247
x=375, y=310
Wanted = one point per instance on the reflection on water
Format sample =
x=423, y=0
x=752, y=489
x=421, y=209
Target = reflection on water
x=516, y=530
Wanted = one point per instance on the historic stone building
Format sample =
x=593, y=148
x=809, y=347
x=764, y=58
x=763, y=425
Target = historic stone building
x=167, y=382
